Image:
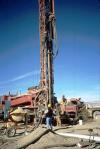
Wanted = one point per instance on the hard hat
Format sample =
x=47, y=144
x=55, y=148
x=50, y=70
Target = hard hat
x=49, y=105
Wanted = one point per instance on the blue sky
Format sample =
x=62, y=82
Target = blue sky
x=77, y=72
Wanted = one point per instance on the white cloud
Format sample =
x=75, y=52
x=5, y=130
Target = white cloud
x=32, y=73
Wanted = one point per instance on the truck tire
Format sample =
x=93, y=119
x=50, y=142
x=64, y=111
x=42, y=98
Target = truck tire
x=96, y=115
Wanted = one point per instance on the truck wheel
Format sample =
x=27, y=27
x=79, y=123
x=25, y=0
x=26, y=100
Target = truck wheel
x=10, y=132
x=96, y=115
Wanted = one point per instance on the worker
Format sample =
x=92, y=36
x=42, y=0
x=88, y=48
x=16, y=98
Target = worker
x=58, y=111
x=63, y=104
x=49, y=117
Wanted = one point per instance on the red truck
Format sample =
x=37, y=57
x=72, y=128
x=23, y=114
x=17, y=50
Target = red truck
x=72, y=107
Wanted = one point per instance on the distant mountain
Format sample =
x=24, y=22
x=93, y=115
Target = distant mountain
x=95, y=101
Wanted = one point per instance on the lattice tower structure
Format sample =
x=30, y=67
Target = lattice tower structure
x=47, y=37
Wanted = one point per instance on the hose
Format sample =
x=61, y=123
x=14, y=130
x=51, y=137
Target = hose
x=37, y=124
x=30, y=139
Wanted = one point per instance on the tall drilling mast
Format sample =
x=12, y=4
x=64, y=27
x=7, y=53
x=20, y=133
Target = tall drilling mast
x=47, y=38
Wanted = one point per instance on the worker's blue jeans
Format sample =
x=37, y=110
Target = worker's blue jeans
x=49, y=122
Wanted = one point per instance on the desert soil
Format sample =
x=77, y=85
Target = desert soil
x=53, y=141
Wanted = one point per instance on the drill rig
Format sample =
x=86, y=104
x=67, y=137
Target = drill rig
x=40, y=96
x=47, y=39
x=45, y=90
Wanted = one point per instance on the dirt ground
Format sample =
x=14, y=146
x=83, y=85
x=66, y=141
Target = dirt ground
x=50, y=140
x=53, y=141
